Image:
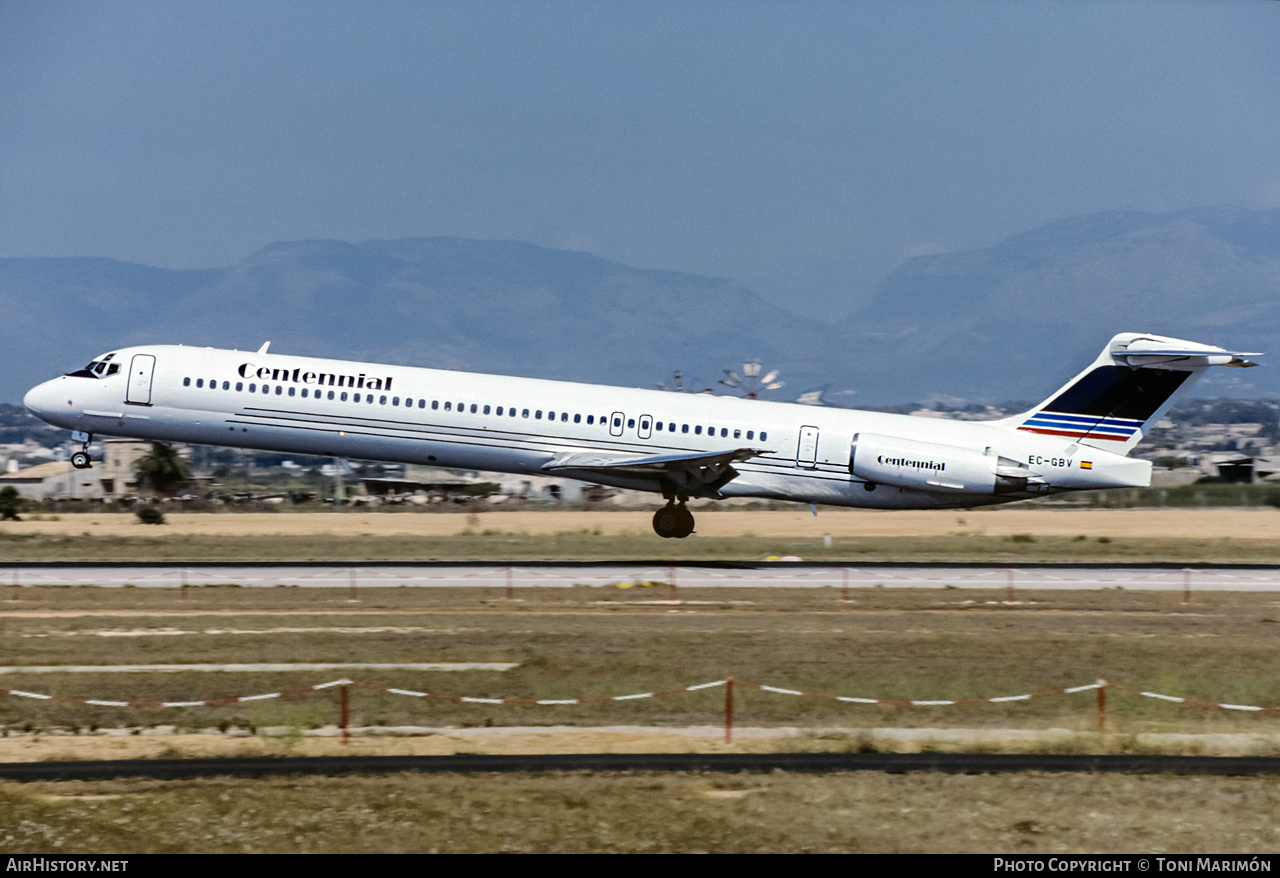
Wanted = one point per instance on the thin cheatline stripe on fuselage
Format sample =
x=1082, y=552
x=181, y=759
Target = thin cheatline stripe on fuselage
x=479, y=437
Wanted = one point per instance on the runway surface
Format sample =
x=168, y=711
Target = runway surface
x=1203, y=577
x=817, y=763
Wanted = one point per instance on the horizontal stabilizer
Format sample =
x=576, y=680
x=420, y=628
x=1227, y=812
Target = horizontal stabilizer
x=1177, y=354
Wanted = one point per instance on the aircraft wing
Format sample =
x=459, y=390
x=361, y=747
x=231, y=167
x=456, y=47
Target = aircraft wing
x=692, y=474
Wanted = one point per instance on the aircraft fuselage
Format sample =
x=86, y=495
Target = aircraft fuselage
x=608, y=435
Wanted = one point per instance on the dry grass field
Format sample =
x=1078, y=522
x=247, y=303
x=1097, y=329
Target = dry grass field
x=1020, y=534
x=600, y=641
x=713, y=521
x=648, y=813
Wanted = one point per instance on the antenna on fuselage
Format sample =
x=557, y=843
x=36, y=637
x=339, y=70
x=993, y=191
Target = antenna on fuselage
x=265, y=345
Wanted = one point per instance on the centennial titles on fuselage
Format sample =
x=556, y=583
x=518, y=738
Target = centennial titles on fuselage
x=911, y=464
x=328, y=379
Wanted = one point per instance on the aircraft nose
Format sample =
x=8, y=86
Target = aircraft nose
x=39, y=399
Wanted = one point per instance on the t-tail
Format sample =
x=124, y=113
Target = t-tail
x=1113, y=403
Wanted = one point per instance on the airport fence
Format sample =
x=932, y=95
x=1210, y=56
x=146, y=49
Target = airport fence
x=344, y=685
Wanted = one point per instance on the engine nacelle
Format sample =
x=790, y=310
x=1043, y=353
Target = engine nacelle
x=929, y=466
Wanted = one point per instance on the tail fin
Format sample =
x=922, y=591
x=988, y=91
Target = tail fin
x=1112, y=404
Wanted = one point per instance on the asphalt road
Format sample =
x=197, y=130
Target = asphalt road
x=894, y=763
x=1203, y=577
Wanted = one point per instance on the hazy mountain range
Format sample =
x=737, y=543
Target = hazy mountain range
x=1010, y=321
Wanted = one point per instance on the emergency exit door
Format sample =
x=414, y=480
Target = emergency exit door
x=140, y=371
x=807, y=450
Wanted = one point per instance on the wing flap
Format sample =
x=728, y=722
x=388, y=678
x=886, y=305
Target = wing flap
x=649, y=464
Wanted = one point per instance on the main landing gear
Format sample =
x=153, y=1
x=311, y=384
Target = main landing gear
x=81, y=459
x=673, y=521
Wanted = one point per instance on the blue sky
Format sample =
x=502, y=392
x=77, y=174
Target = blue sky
x=802, y=148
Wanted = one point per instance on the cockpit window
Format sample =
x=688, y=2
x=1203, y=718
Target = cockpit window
x=98, y=368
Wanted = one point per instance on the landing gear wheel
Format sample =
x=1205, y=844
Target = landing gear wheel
x=686, y=522
x=672, y=521
x=81, y=460
x=666, y=521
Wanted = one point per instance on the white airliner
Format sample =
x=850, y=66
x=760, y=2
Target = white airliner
x=678, y=445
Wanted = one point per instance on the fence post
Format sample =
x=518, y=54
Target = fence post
x=351, y=593
x=346, y=717
x=728, y=711
x=510, y=593
x=1102, y=704
x=1186, y=585
x=844, y=583
x=673, y=584
x=17, y=589
x=1009, y=573
x=183, y=591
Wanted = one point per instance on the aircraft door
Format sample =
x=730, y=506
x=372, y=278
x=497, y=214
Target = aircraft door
x=615, y=423
x=140, y=371
x=807, y=450
x=646, y=426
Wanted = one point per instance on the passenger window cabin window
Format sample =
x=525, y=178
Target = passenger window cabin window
x=382, y=400
x=199, y=382
x=577, y=419
x=266, y=389
x=763, y=436
x=473, y=408
x=280, y=390
x=658, y=424
x=368, y=397
x=448, y=406
x=239, y=386
x=750, y=434
x=422, y=403
x=525, y=414
x=330, y=394
x=253, y=388
x=499, y=411
x=591, y=419
x=343, y=398
x=435, y=404
x=724, y=432
x=631, y=423
x=684, y=428
x=537, y=416
x=226, y=385
x=486, y=410
x=395, y=400
x=617, y=422
x=292, y=391
x=186, y=382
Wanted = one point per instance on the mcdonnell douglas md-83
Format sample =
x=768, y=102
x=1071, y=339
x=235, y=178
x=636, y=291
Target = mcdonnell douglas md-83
x=673, y=444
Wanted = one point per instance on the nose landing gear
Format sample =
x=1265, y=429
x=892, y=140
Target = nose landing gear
x=673, y=521
x=81, y=459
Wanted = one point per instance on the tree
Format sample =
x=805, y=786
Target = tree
x=9, y=502
x=163, y=470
